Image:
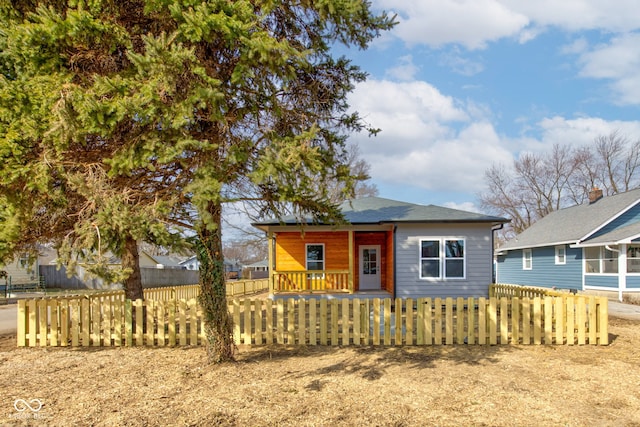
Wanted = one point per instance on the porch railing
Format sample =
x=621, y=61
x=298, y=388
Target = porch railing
x=311, y=280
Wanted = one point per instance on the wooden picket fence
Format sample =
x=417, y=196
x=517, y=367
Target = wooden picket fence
x=500, y=290
x=464, y=321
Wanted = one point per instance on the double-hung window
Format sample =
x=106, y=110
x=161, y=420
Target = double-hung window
x=527, y=259
x=442, y=258
x=561, y=254
x=315, y=256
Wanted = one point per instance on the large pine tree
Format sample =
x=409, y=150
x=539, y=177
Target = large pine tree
x=122, y=116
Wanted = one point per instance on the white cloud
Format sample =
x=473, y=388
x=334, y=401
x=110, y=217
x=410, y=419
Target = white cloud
x=619, y=62
x=404, y=71
x=464, y=206
x=573, y=15
x=471, y=23
x=428, y=140
x=474, y=23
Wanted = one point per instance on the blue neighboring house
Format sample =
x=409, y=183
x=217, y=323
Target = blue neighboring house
x=593, y=246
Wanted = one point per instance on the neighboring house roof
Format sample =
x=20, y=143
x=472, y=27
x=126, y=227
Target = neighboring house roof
x=377, y=210
x=260, y=264
x=576, y=224
x=167, y=260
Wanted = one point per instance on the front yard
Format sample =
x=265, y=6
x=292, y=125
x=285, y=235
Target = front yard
x=316, y=386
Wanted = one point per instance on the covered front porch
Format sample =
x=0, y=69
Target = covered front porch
x=324, y=260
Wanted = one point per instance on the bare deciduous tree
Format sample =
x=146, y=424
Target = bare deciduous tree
x=540, y=183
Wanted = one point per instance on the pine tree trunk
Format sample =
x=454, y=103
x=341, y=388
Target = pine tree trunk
x=218, y=322
x=131, y=260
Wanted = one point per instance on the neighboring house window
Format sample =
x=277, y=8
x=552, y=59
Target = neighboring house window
x=24, y=262
x=600, y=260
x=561, y=255
x=527, y=260
x=442, y=258
x=633, y=259
x=315, y=256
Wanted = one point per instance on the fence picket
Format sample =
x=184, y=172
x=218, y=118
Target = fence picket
x=387, y=321
x=438, y=321
x=346, y=304
x=291, y=330
x=460, y=319
x=313, y=321
x=22, y=325
x=449, y=321
x=571, y=325
x=548, y=323
x=493, y=321
x=581, y=311
x=302, y=322
x=357, y=326
x=559, y=318
x=398, y=322
x=246, y=335
x=537, y=321
x=482, y=321
x=376, y=321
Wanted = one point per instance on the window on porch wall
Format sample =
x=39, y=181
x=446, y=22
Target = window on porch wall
x=600, y=260
x=633, y=259
x=315, y=258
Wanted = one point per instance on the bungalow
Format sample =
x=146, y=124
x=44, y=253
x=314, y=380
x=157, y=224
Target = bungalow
x=387, y=247
x=593, y=246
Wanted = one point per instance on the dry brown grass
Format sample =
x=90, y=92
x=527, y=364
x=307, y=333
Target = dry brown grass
x=304, y=386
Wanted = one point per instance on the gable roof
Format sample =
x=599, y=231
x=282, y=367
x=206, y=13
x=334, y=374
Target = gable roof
x=576, y=224
x=377, y=210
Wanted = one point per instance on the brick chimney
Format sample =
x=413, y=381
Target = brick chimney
x=594, y=195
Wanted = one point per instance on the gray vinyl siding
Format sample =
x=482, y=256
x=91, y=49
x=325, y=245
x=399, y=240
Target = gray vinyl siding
x=544, y=270
x=478, y=260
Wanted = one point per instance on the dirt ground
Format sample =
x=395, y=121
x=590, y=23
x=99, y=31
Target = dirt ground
x=327, y=386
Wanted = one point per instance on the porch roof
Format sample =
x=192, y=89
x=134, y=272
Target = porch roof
x=377, y=210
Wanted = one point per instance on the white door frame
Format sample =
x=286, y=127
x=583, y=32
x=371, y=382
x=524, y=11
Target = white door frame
x=369, y=281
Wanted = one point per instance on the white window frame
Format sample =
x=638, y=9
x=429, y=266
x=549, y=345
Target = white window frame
x=561, y=255
x=633, y=259
x=527, y=258
x=442, y=258
x=602, y=262
x=324, y=256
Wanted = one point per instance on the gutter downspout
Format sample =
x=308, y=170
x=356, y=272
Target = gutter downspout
x=395, y=273
x=493, y=263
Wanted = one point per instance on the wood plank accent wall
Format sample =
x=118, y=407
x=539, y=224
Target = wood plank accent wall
x=290, y=250
x=371, y=238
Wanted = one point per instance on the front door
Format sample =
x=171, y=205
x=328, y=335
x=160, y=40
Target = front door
x=370, y=267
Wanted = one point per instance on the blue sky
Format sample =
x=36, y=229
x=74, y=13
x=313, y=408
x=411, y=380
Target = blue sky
x=459, y=85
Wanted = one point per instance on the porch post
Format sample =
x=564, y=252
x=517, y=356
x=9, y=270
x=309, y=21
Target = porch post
x=622, y=270
x=271, y=266
x=351, y=262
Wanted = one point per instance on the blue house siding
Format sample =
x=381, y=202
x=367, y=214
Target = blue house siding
x=601, y=281
x=544, y=271
x=633, y=282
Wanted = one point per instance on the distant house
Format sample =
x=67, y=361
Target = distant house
x=388, y=247
x=257, y=270
x=232, y=269
x=593, y=246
